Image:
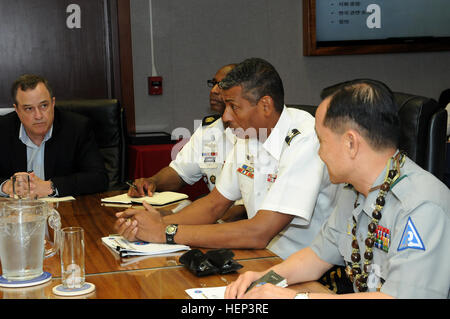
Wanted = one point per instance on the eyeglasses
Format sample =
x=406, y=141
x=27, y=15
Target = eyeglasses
x=212, y=83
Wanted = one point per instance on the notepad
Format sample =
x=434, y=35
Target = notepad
x=207, y=293
x=219, y=292
x=126, y=248
x=158, y=199
x=57, y=199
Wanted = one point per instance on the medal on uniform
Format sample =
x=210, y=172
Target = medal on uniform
x=209, y=157
x=213, y=179
x=271, y=178
x=205, y=154
x=246, y=170
x=383, y=237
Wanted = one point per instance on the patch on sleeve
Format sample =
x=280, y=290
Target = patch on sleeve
x=410, y=238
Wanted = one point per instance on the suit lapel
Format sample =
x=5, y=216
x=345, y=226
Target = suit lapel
x=51, y=149
x=19, y=158
x=18, y=149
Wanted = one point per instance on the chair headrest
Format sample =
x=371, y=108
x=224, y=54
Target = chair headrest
x=105, y=115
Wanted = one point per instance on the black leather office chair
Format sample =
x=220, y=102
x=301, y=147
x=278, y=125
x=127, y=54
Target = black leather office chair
x=424, y=125
x=444, y=102
x=109, y=128
x=444, y=98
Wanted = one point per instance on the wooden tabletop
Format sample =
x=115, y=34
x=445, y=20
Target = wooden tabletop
x=98, y=220
x=133, y=277
x=156, y=283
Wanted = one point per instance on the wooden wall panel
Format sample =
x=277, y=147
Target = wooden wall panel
x=35, y=38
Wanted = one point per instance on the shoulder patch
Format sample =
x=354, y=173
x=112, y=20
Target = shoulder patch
x=293, y=133
x=410, y=238
x=210, y=119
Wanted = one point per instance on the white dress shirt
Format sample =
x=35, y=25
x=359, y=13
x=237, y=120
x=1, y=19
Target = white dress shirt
x=289, y=179
x=204, y=154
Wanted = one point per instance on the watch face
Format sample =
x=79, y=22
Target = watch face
x=171, y=229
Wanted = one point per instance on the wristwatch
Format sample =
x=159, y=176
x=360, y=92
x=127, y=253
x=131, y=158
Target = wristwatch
x=53, y=189
x=171, y=230
x=302, y=295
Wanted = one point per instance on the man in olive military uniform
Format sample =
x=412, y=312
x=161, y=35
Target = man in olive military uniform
x=390, y=225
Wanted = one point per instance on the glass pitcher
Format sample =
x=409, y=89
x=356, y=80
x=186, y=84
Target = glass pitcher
x=22, y=236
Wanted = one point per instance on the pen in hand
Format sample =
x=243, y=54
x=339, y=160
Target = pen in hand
x=132, y=185
x=135, y=187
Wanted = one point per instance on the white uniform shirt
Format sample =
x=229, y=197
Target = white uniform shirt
x=290, y=179
x=204, y=154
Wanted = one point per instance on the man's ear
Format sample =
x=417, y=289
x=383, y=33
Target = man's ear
x=352, y=142
x=267, y=105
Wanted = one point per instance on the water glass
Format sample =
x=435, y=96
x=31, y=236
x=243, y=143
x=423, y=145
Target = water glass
x=72, y=257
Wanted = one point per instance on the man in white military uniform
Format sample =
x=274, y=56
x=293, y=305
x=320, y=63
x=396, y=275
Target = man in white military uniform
x=202, y=156
x=274, y=167
x=389, y=227
x=283, y=174
x=205, y=153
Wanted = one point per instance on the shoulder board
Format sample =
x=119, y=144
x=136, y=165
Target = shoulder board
x=293, y=133
x=210, y=119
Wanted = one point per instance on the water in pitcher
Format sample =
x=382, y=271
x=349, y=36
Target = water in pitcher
x=22, y=263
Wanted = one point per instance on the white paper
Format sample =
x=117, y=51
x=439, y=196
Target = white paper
x=140, y=248
x=57, y=199
x=207, y=293
x=158, y=199
x=134, y=259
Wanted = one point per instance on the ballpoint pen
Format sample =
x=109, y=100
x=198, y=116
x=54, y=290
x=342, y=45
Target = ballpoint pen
x=132, y=185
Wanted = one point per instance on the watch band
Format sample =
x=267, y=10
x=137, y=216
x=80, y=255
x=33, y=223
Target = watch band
x=302, y=295
x=53, y=189
x=171, y=230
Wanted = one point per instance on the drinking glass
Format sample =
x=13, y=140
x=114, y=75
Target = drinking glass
x=72, y=257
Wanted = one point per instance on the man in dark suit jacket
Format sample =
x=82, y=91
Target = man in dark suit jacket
x=57, y=148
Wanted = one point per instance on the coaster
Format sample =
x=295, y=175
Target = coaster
x=85, y=289
x=25, y=283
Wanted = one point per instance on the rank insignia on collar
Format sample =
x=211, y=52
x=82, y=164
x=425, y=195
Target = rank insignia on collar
x=294, y=132
x=410, y=237
x=246, y=170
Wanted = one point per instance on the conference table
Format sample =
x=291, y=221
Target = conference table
x=143, y=277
